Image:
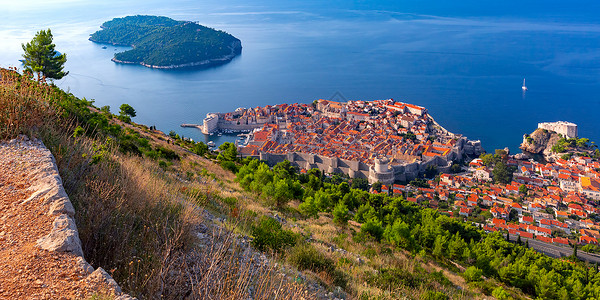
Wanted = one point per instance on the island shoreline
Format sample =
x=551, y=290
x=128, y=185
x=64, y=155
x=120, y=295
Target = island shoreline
x=235, y=51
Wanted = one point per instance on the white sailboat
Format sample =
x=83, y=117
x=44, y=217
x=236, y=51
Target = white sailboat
x=524, y=87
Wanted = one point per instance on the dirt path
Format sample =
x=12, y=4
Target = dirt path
x=29, y=193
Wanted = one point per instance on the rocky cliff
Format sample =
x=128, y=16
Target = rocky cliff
x=40, y=250
x=540, y=141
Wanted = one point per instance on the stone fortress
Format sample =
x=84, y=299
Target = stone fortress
x=380, y=140
x=234, y=121
x=566, y=129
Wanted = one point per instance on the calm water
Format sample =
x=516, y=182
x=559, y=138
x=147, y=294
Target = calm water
x=464, y=62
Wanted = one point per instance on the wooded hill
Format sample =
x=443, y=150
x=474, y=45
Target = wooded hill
x=164, y=42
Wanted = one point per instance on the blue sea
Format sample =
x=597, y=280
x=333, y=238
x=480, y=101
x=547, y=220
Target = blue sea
x=463, y=60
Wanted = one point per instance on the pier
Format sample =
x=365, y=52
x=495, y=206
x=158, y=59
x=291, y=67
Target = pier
x=192, y=125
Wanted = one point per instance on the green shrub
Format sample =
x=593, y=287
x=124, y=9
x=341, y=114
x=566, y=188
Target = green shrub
x=167, y=153
x=440, y=278
x=229, y=165
x=370, y=253
x=558, y=148
x=200, y=148
x=79, y=131
x=230, y=201
x=473, y=273
x=124, y=119
x=433, y=295
x=339, y=278
x=486, y=286
x=129, y=147
x=373, y=228
x=341, y=214
x=163, y=164
x=268, y=234
x=529, y=140
x=390, y=279
x=306, y=257
x=113, y=130
x=144, y=143
x=501, y=294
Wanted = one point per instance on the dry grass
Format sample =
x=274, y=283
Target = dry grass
x=130, y=222
x=224, y=269
x=137, y=221
x=24, y=104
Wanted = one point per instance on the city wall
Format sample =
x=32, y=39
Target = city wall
x=354, y=169
x=237, y=127
x=357, y=169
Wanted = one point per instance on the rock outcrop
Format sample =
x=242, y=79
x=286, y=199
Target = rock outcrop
x=40, y=251
x=540, y=141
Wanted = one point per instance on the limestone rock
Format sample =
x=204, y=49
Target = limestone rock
x=84, y=265
x=64, y=240
x=62, y=206
x=101, y=277
x=540, y=142
x=64, y=221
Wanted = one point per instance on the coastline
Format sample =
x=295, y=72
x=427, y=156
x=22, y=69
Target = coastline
x=109, y=43
x=236, y=49
x=207, y=62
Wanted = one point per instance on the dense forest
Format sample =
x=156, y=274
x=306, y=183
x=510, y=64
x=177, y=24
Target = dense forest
x=162, y=42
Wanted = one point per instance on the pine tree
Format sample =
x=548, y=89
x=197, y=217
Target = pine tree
x=439, y=246
x=42, y=59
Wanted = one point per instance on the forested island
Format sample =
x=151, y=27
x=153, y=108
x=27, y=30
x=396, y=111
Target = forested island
x=164, y=43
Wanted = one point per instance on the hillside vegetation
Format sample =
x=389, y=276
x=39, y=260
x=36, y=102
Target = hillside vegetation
x=164, y=42
x=138, y=201
x=170, y=218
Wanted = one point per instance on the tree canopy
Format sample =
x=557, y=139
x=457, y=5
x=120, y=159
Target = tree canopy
x=127, y=109
x=41, y=58
x=394, y=221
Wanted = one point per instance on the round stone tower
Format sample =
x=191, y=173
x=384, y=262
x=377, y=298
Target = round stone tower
x=381, y=165
x=381, y=171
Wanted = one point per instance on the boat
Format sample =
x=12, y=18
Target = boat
x=524, y=87
x=211, y=143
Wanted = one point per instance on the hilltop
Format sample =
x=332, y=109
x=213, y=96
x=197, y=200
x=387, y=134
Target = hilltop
x=164, y=43
x=552, y=141
x=540, y=141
